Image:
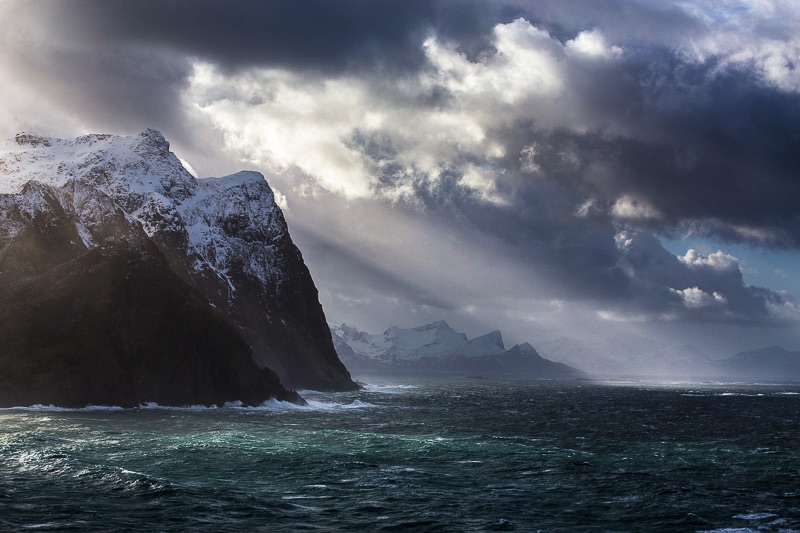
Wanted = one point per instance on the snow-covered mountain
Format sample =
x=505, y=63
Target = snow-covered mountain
x=401, y=346
x=224, y=237
x=439, y=347
x=490, y=344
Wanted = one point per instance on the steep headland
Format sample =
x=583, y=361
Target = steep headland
x=124, y=279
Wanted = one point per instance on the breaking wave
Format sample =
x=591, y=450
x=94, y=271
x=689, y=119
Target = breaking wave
x=388, y=389
x=269, y=405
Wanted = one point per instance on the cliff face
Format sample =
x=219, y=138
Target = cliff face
x=121, y=219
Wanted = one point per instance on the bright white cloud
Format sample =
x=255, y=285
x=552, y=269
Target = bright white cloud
x=623, y=239
x=593, y=44
x=630, y=207
x=758, y=35
x=283, y=120
x=280, y=199
x=483, y=183
x=696, y=298
x=718, y=260
x=786, y=310
x=274, y=118
x=525, y=64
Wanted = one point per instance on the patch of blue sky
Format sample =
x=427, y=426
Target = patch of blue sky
x=778, y=270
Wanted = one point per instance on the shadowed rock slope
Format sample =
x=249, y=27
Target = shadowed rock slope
x=123, y=280
x=115, y=326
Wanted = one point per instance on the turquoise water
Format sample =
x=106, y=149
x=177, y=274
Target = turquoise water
x=469, y=455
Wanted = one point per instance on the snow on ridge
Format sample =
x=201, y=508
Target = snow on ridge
x=228, y=221
x=399, y=344
x=240, y=178
x=424, y=341
x=436, y=342
x=234, y=219
x=488, y=344
x=114, y=164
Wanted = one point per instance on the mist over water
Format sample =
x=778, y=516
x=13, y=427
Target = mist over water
x=459, y=455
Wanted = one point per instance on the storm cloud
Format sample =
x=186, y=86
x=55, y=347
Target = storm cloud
x=559, y=145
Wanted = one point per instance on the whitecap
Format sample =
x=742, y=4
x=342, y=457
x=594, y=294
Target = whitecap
x=54, y=408
x=387, y=389
x=44, y=525
x=756, y=516
x=730, y=530
x=279, y=405
x=192, y=408
x=324, y=406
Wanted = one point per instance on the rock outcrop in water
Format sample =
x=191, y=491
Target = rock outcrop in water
x=124, y=279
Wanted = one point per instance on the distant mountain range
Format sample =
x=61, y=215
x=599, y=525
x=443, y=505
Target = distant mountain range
x=674, y=360
x=123, y=279
x=438, y=347
x=774, y=362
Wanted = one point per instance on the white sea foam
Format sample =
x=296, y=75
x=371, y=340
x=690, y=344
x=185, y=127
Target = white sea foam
x=730, y=530
x=756, y=516
x=192, y=408
x=54, y=408
x=388, y=389
x=269, y=405
x=324, y=406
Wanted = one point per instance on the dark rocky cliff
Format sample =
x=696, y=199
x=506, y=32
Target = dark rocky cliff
x=123, y=280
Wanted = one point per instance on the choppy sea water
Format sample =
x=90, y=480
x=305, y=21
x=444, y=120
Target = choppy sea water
x=468, y=455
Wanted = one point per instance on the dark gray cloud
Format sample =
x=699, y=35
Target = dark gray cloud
x=315, y=34
x=493, y=119
x=621, y=266
x=695, y=287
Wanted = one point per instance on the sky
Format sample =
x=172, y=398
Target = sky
x=602, y=178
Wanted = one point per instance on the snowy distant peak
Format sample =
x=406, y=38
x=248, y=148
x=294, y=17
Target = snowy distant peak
x=424, y=341
x=428, y=342
x=399, y=345
x=525, y=350
x=438, y=347
x=350, y=333
x=485, y=345
x=439, y=324
x=418, y=332
x=493, y=337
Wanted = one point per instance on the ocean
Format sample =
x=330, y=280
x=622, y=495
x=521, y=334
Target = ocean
x=435, y=455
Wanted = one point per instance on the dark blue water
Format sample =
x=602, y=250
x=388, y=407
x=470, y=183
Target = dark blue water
x=437, y=456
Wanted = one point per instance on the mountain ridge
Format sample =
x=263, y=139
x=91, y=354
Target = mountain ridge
x=225, y=238
x=454, y=352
